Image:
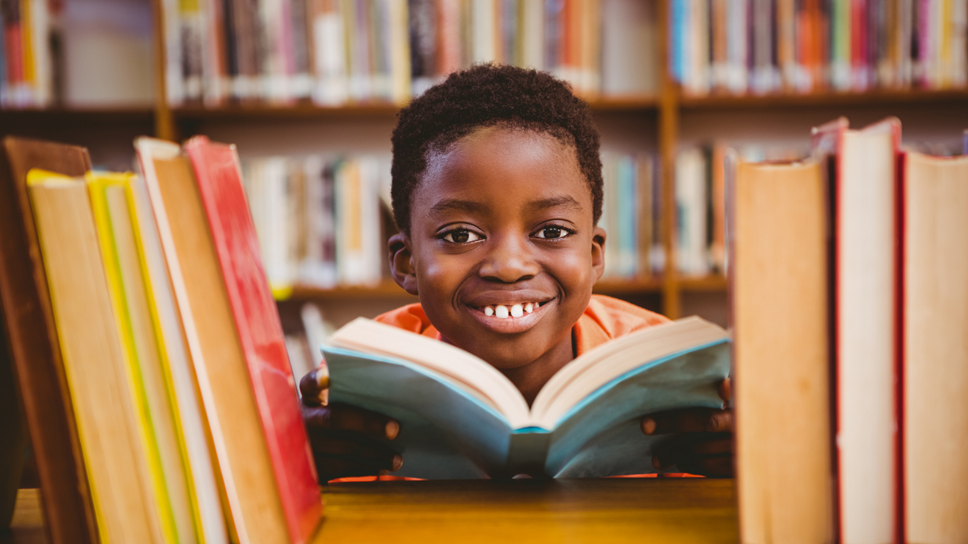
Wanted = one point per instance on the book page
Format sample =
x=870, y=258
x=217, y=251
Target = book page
x=473, y=374
x=581, y=377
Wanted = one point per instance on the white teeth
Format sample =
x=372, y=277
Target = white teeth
x=513, y=310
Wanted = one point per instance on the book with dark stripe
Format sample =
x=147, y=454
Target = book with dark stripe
x=33, y=340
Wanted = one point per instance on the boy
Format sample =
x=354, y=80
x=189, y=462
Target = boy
x=497, y=189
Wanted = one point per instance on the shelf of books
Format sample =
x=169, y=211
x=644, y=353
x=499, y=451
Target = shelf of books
x=656, y=62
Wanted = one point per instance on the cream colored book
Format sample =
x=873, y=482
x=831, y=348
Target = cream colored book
x=935, y=352
x=781, y=359
x=104, y=402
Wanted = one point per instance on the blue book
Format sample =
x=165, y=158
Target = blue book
x=461, y=418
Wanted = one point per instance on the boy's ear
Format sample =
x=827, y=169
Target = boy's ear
x=401, y=262
x=598, y=252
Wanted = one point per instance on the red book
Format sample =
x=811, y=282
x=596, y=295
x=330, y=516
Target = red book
x=260, y=331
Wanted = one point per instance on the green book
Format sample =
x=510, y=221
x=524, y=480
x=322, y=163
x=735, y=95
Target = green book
x=461, y=418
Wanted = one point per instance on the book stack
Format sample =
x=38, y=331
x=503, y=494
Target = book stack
x=338, y=51
x=631, y=216
x=320, y=221
x=148, y=347
x=767, y=46
x=848, y=272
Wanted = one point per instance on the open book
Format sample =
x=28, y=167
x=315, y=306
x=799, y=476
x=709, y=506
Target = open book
x=461, y=418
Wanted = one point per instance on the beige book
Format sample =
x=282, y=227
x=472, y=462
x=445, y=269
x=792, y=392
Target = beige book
x=866, y=322
x=214, y=345
x=781, y=354
x=172, y=486
x=192, y=428
x=104, y=405
x=935, y=340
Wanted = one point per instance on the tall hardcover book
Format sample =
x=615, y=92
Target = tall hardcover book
x=234, y=340
x=223, y=196
x=34, y=349
x=863, y=190
x=778, y=270
x=934, y=266
x=133, y=313
x=102, y=393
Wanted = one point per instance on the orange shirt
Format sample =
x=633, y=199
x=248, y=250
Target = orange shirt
x=604, y=319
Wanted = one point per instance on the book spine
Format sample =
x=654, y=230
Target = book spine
x=398, y=44
x=4, y=77
x=301, y=48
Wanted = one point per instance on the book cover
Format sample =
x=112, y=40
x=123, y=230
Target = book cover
x=221, y=371
x=120, y=259
x=223, y=196
x=934, y=347
x=177, y=374
x=104, y=402
x=34, y=349
x=779, y=275
x=864, y=294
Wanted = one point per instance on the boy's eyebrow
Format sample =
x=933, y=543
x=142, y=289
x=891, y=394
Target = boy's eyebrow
x=469, y=206
x=554, y=202
x=454, y=204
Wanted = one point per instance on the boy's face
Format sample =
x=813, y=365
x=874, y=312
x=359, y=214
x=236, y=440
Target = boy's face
x=502, y=218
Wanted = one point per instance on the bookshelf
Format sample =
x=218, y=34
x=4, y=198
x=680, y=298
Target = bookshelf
x=665, y=120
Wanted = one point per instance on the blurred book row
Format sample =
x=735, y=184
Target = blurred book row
x=767, y=46
x=700, y=195
x=323, y=221
x=631, y=216
x=336, y=51
x=75, y=54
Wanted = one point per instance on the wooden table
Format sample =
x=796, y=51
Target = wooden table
x=614, y=510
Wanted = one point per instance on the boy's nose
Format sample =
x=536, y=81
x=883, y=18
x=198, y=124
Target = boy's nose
x=509, y=260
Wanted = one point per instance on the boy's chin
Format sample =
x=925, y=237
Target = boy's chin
x=506, y=354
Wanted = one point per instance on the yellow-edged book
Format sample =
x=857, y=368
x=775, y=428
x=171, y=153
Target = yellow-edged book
x=203, y=486
x=97, y=371
x=112, y=201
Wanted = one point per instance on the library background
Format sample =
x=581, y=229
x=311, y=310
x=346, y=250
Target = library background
x=308, y=90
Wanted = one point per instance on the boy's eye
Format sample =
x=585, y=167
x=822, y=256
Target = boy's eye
x=552, y=232
x=461, y=236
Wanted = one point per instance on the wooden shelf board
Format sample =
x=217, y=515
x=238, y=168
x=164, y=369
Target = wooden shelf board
x=69, y=115
x=703, y=283
x=825, y=98
x=376, y=108
x=270, y=111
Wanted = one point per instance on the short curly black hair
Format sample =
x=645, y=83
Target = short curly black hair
x=490, y=95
